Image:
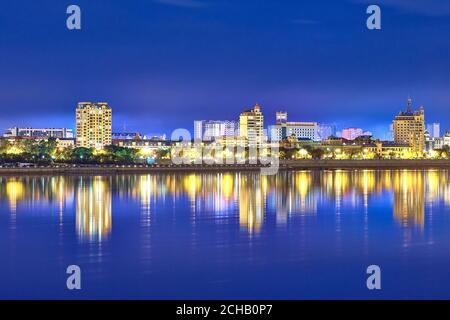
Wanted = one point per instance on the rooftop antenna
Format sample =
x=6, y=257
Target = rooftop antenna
x=409, y=104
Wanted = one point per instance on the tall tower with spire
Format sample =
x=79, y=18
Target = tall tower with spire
x=409, y=128
x=409, y=107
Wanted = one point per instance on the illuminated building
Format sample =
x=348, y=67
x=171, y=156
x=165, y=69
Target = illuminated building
x=148, y=144
x=126, y=136
x=446, y=139
x=324, y=131
x=353, y=133
x=93, y=124
x=38, y=133
x=439, y=143
x=281, y=117
x=392, y=150
x=434, y=129
x=284, y=129
x=251, y=124
x=409, y=128
x=65, y=142
x=213, y=129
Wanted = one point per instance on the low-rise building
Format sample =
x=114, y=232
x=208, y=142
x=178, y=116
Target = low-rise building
x=38, y=133
x=284, y=129
x=65, y=143
x=126, y=136
x=145, y=145
x=353, y=133
x=393, y=150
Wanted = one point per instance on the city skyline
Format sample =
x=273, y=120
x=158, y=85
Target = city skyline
x=216, y=128
x=224, y=155
x=321, y=65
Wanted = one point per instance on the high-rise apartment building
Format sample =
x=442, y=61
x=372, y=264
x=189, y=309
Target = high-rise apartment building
x=94, y=122
x=251, y=126
x=409, y=128
x=198, y=130
x=434, y=129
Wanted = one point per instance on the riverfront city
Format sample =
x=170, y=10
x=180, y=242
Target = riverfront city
x=94, y=142
x=224, y=155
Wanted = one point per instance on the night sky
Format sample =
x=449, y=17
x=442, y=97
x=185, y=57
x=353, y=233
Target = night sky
x=161, y=64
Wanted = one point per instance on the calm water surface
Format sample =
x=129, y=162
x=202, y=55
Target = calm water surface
x=308, y=234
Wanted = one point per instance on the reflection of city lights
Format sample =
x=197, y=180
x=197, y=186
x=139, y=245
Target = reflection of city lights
x=409, y=198
x=251, y=207
x=248, y=194
x=191, y=185
x=14, y=191
x=302, y=183
x=227, y=185
x=146, y=188
x=93, y=208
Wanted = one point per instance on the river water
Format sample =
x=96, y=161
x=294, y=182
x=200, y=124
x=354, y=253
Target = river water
x=296, y=235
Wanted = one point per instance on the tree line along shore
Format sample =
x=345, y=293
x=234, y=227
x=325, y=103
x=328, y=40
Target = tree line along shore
x=282, y=166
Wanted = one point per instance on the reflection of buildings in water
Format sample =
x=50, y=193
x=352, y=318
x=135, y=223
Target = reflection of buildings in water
x=295, y=193
x=305, y=199
x=43, y=190
x=62, y=192
x=146, y=188
x=409, y=198
x=335, y=185
x=286, y=194
x=348, y=187
x=355, y=187
x=446, y=193
x=251, y=202
x=14, y=192
x=225, y=192
x=192, y=185
x=283, y=197
x=211, y=192
x=93, y=208
x=435, y=186
x=205, y=192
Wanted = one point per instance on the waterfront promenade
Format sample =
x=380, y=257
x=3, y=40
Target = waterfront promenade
x=283, y=165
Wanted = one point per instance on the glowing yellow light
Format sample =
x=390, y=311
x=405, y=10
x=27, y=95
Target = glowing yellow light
x=14, y=150
x=303, y=153
x=146, y=152
x=14, y=191
x=227, y=185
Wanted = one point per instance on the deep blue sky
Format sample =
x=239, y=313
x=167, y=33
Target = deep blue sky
x=163, y=63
